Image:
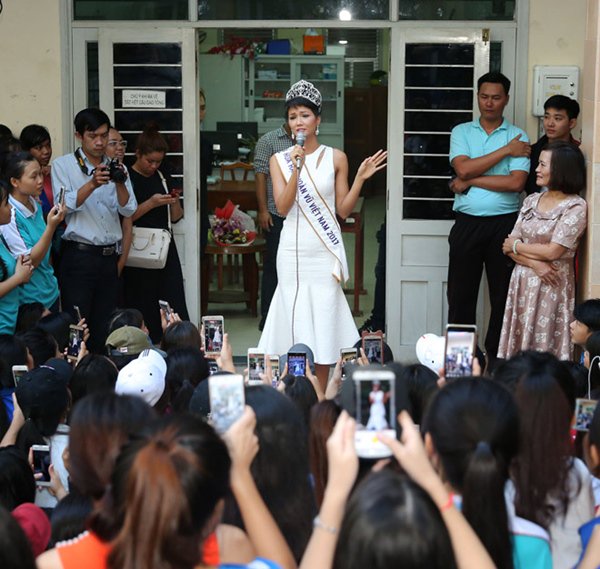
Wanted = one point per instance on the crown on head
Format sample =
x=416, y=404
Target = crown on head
x=305, y=90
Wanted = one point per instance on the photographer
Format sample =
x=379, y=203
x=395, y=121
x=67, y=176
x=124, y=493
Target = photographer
x=96, y=192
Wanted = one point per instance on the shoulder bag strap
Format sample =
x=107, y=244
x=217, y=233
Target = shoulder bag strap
x=164, y=183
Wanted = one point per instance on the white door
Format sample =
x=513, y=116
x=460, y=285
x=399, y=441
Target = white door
x=158, y=69
x=434, y=78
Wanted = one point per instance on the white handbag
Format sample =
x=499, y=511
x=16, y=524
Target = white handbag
x=149, y=246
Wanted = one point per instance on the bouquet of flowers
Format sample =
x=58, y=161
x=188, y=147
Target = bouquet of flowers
x=230, y=226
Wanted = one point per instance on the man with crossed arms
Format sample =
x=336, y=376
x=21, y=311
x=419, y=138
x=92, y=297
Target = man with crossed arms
x=491, y=159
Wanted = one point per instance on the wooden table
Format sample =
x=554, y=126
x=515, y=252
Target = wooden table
x=244, y=195
x=249, y=269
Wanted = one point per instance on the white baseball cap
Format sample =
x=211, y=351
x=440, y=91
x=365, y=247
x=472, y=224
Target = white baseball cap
x=430, y=351
x=143, y=377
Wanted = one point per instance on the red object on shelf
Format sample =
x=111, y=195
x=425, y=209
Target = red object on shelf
x=314, y=45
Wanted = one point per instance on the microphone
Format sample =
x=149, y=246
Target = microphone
x=300, y=138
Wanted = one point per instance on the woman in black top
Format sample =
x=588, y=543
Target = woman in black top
x=155, y=197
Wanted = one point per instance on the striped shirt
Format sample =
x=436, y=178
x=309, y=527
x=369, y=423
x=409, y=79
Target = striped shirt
x=269, y=144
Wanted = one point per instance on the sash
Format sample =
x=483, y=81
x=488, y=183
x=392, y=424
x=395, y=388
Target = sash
x=318, y=214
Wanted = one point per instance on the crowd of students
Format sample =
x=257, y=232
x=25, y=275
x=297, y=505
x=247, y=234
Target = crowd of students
x=491, y=475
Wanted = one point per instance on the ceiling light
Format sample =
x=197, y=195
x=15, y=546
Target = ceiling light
x=345, y=15
x=343, y=42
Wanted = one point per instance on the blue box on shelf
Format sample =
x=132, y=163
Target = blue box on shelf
x=279, y=47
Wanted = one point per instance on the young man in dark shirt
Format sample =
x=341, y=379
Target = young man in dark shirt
x=560, y=118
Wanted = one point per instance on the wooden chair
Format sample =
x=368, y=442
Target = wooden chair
x=243, y=167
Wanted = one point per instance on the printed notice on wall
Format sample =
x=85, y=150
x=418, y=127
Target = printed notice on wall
x=138, y=99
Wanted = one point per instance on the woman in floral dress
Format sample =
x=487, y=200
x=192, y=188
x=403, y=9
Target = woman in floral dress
x=541, y=297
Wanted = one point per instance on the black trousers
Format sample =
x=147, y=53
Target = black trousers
x=269, y=276
x=476, y=242
x=89, y=280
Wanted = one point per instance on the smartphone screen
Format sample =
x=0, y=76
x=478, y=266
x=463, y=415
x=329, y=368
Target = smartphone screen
x=372, y=345
x=274, y=361
x=18, y=372
x=227, y=400
x=348, y=356
x=256, y=364
x=41, y=464
x=460, y=350
x=213, y=334
x=296, y=363
x=75, y=339
x=375, y=411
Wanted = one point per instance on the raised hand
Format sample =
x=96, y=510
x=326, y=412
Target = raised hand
x=372, y=164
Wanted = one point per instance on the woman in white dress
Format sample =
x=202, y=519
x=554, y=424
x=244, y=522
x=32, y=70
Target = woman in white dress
x=377, y=399
x=310, y=186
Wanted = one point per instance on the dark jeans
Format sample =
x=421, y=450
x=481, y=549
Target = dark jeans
x=269, y=277
x=475, y=242
x=89, y=280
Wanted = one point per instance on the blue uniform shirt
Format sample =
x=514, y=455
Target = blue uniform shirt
x=22, y=233
x=9, y=303
x=471, y=140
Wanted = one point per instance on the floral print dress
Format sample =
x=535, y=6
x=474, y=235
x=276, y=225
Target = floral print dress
x=537, y=315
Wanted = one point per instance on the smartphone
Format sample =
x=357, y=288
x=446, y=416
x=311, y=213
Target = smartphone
x=18, y=372
x=256, y=364
x=375, y=411
x=227, y=400
x=461, y=340
x=164, y=305
x=372, y=344
x=274, y=361
x=213, y=367
x=61, y=196
x=348, y=356
x=75, y=339
x=213, y=334
x=296, y=363
x=41, y=464
x=77, y=312
x=584, y=413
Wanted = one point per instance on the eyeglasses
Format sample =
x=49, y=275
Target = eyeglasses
x=122, y=143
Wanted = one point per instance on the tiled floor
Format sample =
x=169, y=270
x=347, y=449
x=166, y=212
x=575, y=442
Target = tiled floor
x=243, y=328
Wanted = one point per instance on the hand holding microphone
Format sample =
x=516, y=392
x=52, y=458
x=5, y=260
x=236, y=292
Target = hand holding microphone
x=300, y=139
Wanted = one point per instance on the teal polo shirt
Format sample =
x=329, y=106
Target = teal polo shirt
x=21, y=234
x=9, y=303
x=471, y=140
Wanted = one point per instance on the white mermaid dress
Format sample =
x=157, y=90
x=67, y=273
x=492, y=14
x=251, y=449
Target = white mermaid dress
x=309, y=305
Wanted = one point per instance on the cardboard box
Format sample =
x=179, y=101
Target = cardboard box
x=314, y=45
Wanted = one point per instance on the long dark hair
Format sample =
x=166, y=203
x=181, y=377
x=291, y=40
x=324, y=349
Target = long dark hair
x=474, y=427
x=280, y=468
x=390, y=522
x=323, y=417
x=101, y=424
x=164, y=491
x=545, y=395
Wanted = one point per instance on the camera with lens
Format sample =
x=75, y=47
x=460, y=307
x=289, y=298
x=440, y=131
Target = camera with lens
x=116, y=172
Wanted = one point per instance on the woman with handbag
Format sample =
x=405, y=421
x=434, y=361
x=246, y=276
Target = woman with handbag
x=158, y=207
